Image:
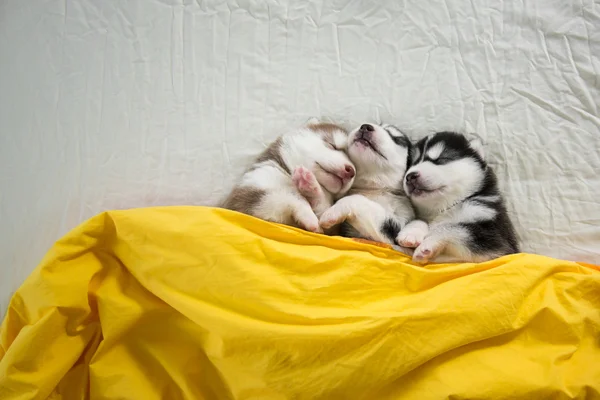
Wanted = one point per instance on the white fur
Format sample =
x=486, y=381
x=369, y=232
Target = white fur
x=489, y=198
x=476, y=144
x=416, y=154
x=364, y=214
x=309, y=157
x=449, y=183
x=413, y=234
x=445, y=238
x=445, y=244
x=470, y=212
x=306, y=148
x=445, y=207
x=307, y=184
x=378, y=174
x=435, y=151
x=374, y=171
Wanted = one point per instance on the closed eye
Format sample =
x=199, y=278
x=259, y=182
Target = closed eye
x=442, y=160
x=331, y=146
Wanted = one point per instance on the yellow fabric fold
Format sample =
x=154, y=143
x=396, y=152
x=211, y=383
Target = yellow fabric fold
x=202, y=303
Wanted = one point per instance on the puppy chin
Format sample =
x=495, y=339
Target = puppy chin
x=363, y=156
x=424, y=193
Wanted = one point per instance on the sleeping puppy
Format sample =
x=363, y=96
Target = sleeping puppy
x=376, y=207
x=456, y=193
x=297, y=177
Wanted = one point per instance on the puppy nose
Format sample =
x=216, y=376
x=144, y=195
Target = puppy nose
x=367, y=128
x=349, y=172
x=413, y=176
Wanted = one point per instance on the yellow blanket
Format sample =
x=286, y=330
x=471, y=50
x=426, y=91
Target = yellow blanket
x=200, y=303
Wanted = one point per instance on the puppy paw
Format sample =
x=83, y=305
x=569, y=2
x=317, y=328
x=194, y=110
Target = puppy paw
x=314, y=228
x=409, y=240
x=422, y=255
x=411, y=236
x=426, y=251
x=310, y=224
x=331, y=217
x=306, y=182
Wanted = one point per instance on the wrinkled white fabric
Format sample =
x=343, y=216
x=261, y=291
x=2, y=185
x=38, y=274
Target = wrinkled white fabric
x=117, y=104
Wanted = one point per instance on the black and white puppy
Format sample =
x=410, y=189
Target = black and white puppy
x=455, y=191
x=376, y=207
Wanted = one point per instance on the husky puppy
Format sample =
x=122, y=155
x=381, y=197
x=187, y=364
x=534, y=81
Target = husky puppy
x=456, y=193
x=297, y=177
x=376, y=207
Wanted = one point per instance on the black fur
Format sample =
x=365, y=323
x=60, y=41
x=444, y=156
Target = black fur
x=486, y=237
x=390, y=228
x=398, y=137
x=497, y=234
x=456, y=146
x=401, y=140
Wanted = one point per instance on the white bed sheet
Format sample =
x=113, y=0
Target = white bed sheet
x=117, y=104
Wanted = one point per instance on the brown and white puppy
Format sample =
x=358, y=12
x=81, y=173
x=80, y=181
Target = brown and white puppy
x=297, y=177
x=377, y=207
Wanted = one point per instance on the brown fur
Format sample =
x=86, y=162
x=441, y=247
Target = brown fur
x=243, y=199
x=273, y=153
x=326, y=129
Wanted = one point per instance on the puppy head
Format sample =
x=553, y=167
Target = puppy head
x=321, y=148
x=380, y=152
x=445, y=167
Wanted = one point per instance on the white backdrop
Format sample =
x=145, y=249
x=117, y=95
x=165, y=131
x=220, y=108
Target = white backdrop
x=116, y=104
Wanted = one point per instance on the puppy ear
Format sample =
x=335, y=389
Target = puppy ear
x=476, y=143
